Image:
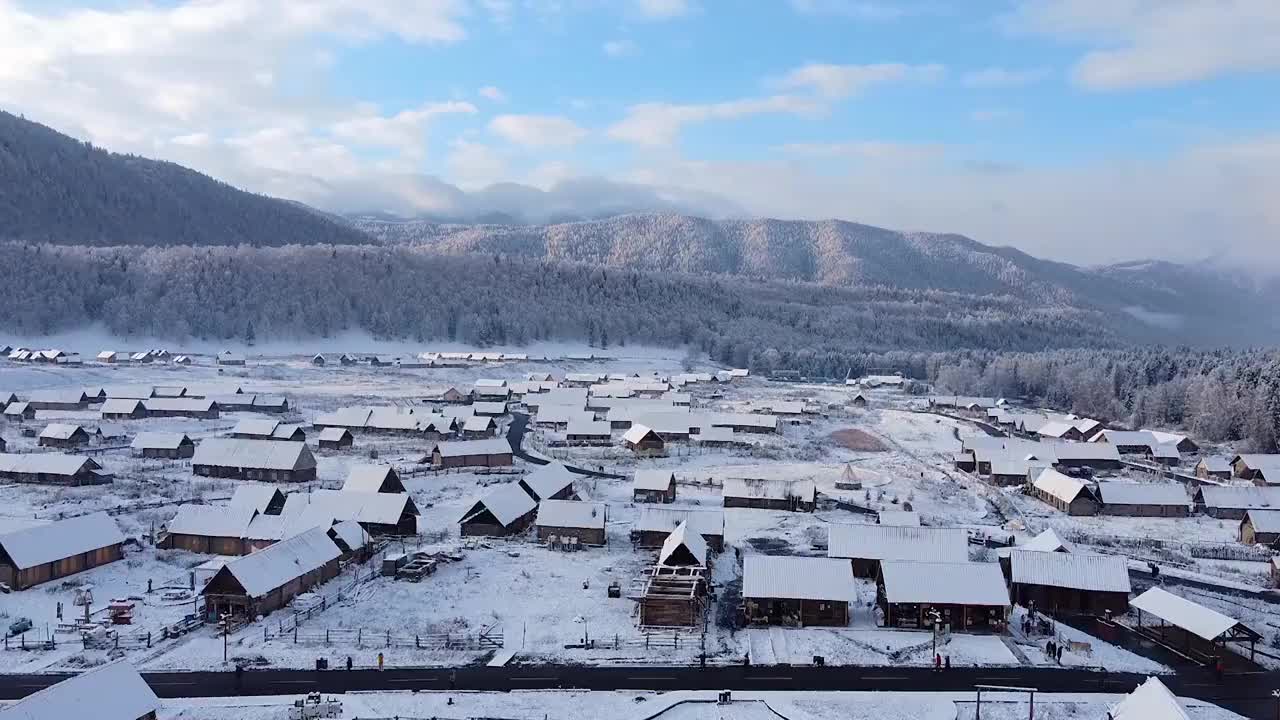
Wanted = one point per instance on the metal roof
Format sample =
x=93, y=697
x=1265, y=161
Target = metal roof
x=797, y=578
x=1078, y=571
x=666, y=519
x=900, y=518
x=1124, y=493
x=1047, y=541
x=507, y=503
x=40, y=544
x=653, y=480
x=239, y=453
x=261, y=572
x=159, y=441
x=110, y=692
x=487, y=446
x=1190, y=616
x=944, y=583
x=887, y=542
x=571, y=514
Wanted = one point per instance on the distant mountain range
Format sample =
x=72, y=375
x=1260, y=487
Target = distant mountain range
x=1166, y=301
x=57, y=190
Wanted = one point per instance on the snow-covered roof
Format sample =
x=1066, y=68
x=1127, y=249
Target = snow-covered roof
x=549, y=479
x=45, y=463
x=572, y=397
x=797, y=578
x=490, y=384
x=477, y=423
x=1190, y=616
x=1215, y=464
x=559, y=414
x=1166, y=451
x=1167, y=438
x=256, y=427
x=1239, y=497
x=784, y=407
x=1055, y=429
x=1267, y=464
x=637, y=432
x=489, y=408
x=61, y=431
x=159, y=441
x=583, y=377
x=110, y=692
x=487, y=446
x=211, y=521
x=348, y=417
x=256, y=497
x=507, y=503
x=319, y=508
x=1125, y=493
x=1058, y=485
x=1126, y=437
x=233, y=452
x=1080, y=451
x=110, y=430
x=1087, y=425
x=592, y=428
x=652, y=480
x=692, y=541
x=60, y=395
x=1079, y=571
x=17, y=408
x=1047, y=541
x=1150, y=701
x=1264, y=521
x=887, y=542
x=764, y=422
x=333, y=434
x=900, y=518
x=1005, y=465
x=666, y=519
x=944, y=583
x=392, y=418
x=351, y=534
x=178, y=404
x=366, y=477
x=40, y=544
x=261, y=572
x=571, y=514
x=769, y=489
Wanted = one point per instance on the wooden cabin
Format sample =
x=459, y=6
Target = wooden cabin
x=966, y=595
x=552, y=481
x=198, y=408
x=335, y=439
x=478, y=427
x=492, y=452
x=1261, y=469
x=267, y=429
x=64, y=399
x=572, y=518
x=172, y=446
x=63, y=435
x=123, y=409
x=373, y=478
x=41, y=553
x=114, y=691
x=584, y=431
x=1059, y=583
x=267, y=580
x=1214, y=467
x=643, y=440
x=208, y=529
x=507, y=510
x=1065, y=493
x=796, y=591
x=674, y=597
x=1260, y=527
x=254, y=460
x=761, y=494
x=653, y=486
x=19, y=412
x=1231, y=503
x=1144, y=499
x=379, y=513
x=655, y=523
x=865, y=546
x=52, y=469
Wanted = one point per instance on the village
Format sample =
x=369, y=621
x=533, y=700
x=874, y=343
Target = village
x=180, y=512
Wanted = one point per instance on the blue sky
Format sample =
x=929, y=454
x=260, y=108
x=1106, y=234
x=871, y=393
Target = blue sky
x=1086, y=130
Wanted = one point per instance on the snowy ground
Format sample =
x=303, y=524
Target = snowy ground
x=679, y=706
x=536, y=596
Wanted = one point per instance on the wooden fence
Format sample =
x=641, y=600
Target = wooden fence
x=488, y=639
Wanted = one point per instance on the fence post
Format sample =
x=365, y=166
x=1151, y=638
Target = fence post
x=417, y=645
x=148, y=638
x=388, y=638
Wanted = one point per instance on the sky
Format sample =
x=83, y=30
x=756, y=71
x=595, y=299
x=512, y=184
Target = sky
x=1088, y=131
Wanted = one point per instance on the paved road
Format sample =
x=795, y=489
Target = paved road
x=515, y=435
x=1245, y=694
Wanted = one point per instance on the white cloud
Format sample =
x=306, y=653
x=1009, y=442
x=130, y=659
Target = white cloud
x=619, y=48
x=857, y=9
x=537, y=131
x=1159, y=44
x=840, y=81
x=662, y=9
x=866, y=149
x=492, y=93
x=472, y=164
x=998, y=77
x=656, y=124
x=405, y=131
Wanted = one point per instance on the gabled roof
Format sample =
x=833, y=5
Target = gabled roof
x=489, y=408
x=1239, y=497
x=1125, y=493
x=61, y=395
x=507, y=503
x=477, y=423
x=1264, y=521
x=111, y=692
x=238, y=453
x=770, y=489
x=1047, y=541
x=61, y=431
x=351, y=417
x=45, y=463
x=17, y=408
x=367, y=477
x=1060, y=486
x=1215, y=464
x=1166, y=451
x=40, y=544
x=1151, y=701
x=261, y=572
x=1079, y=571
x=1190, y=616
x=110, y=430
x=256, y=497
x=797, y=578
x=682, y=536
x=571, y=514
x=899, y=518
x=1055, y=429
x=1126, y=437
x=257, y=427
x=159, y=441
x=1081, y=451
x=944, y=583
x=549, y=479
x=887, y=542
x=211, y=521
x=460, y=448
x=583, y=426
x=333, y=434
x=637, y=433
x=320, y=508
x=708, y=523
x=351, y=534
x=653, y=480
x=184, y=404
x=120, y=406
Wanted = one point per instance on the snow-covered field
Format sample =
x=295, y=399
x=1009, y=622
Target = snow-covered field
x=540, y=600
x=680, y=706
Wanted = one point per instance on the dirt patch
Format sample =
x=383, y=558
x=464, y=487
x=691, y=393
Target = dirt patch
x=858, y=440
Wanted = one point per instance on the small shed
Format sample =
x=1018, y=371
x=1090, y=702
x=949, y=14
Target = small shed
x=40, y=553
x=19, y=412
x=796, y=591
x=478, y=427
x=373, y=478
x=966, y=595
x=1214, y=467
x=643, y=440
x=168, y=445
x=572, y=518
x=123, y=409
x=335, y=439
x=1069, y=583
x=507, y=510
x=1260, y=527
x=1065, y=493
x=552, y=481
x=491, y=452
x=654, y=486
x=318, y=360
x=63, y=435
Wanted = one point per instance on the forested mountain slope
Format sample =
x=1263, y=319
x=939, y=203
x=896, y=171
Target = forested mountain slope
x=55, y=189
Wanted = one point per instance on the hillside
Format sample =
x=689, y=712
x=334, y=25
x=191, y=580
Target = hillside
x=55, y=189
x=1170, y=302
